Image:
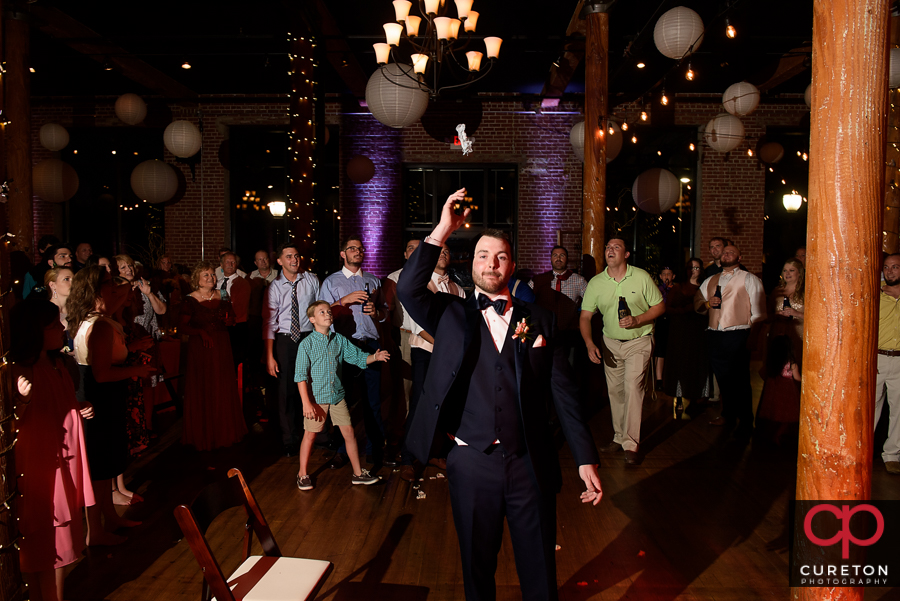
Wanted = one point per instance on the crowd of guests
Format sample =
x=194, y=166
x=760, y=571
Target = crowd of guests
x=85, y=342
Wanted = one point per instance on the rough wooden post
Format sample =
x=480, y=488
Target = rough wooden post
x=300, y=153
x=595, y=114
x=846, y=180
x=891, y=228
x=17, y=111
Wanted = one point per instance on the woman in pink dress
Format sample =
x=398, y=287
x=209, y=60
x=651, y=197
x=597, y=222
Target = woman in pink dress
x=55, y=479
x=212, y=408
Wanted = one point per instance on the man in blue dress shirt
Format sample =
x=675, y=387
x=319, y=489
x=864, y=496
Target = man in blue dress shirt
x=355, y=313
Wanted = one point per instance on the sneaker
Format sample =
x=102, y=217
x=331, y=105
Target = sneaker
x=304, y=483
x=364, y=477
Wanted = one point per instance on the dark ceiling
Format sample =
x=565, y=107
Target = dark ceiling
x=241, y=48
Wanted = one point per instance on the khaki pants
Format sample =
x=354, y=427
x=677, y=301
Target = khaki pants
x=887, y=384
x=625, y=383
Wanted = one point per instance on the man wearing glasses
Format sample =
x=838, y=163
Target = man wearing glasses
x=355, y=312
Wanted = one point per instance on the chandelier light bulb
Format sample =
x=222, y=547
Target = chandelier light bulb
x=492, y=44
x=432, y=7
x=420, y=62
x=442, y=26
x=412, y=25
x=382, y=53
x=454, y=28
x=471, y=20
x=474, y=58
x=401, y=9
x=392, y=32
x=463, y=7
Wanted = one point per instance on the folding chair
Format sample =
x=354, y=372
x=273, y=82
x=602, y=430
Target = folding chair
x=270, y=577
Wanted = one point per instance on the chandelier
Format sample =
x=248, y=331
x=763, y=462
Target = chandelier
x=437, y=48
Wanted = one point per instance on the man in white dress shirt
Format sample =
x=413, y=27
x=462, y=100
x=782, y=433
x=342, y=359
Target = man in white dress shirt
x=731, y=317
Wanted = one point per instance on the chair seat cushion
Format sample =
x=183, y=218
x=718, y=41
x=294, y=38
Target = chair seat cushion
x=262, y=578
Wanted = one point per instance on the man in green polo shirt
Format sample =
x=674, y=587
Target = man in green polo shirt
x=628, y=340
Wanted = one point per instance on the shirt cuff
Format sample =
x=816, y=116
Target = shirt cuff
x=434, y=241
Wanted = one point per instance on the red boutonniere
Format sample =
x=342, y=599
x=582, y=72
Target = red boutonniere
x=522, y=330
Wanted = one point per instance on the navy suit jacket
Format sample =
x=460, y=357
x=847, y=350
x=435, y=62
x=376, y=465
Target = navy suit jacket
x=453, y=322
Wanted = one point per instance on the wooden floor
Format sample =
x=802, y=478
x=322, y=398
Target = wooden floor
x=703, y=517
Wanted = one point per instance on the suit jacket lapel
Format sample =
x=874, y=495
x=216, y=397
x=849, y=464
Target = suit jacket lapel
x=473, y=315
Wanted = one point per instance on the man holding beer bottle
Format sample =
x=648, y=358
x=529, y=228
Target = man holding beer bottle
x=629, y=301
x=734, y=301
x=356, y=302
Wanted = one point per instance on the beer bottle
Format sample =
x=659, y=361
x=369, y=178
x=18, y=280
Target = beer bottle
x=624, y=311
x=718, y=295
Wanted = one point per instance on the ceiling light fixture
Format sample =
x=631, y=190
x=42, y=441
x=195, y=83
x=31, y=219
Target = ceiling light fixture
x=792, y=202
x=439, y=48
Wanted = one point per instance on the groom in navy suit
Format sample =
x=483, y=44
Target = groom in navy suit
x=496, y=367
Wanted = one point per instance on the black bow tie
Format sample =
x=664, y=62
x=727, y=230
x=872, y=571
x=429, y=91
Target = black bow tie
x=499, y=305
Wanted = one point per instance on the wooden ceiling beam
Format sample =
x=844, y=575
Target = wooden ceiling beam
x=573, y=53
x=83, y=39
x=789, y=66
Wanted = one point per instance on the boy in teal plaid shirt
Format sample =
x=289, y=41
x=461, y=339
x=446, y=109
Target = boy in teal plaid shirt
x=318, y=370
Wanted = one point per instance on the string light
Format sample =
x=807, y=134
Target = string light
x=690, y=73
x=692, y=147
x=641, y=65
x=634, y=139
x=643, y=115
x=664, y=100
x=730, y=31
x=749, y=152
x=624, y=125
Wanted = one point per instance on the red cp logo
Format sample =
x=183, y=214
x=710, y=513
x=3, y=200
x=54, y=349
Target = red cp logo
x=844, y=535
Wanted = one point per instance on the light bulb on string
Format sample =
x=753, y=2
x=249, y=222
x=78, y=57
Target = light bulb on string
x=624, y=125
x=643, y=115
x=634, y=139
x=690, y=73
x=692, y=147
x=664, y=100
x=730, y=31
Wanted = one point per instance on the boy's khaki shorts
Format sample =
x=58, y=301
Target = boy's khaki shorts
x=340, y=416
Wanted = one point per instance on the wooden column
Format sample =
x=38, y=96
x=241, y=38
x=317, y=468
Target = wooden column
x=595, y=123
x=849, y=102
x=17, y=111
x=300, y=154
x=891, y=228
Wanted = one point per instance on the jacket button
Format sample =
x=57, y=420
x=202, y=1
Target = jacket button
x=499, y=368
x=498, y=388
x=497, y=429
x=499, y=409
x=437, y=407
x=452, y=374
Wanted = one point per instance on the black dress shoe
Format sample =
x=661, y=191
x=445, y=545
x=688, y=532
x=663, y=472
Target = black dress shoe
x=612, y=447
x=631, y=458
x=390, y=461
x=339, y=461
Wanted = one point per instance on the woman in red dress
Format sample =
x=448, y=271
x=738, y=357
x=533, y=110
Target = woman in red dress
x=50, y=453
x=212, y=409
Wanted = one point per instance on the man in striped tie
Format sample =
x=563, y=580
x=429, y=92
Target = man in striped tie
x=285, y=324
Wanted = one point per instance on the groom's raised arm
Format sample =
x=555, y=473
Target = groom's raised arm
x=423, y=306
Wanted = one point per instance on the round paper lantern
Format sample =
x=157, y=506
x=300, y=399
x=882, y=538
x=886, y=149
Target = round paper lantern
x=360, y=169
x=807, y=95
x=53, y=136
x=741, y=98
x=724, y=132
x=576, y=138
x=154, y=181
x=894, y=73
x=54, y=180
x=771, y=152
x=131, y=109
x=613, y=140
x=676, y=31
x=656, y=190
x=182, y=138
x=395, y=105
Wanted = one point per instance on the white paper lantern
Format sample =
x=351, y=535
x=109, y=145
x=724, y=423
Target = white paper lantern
x=53, y=136
x=576, y=138
x=676, y=31
x=54, y=180
x=656, y=190
x=807, y=95
x=154, y=181
x=131, y=109
x=741, y=98
x=613, y=140
x=894, y=72
x=182, y=138
x=724, y=132
x=395, y=105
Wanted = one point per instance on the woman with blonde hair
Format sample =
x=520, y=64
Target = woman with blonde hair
x=101, y=351
x=787, y=306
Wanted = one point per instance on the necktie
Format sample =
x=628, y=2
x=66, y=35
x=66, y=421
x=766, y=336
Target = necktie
x=499, y=305
x=562, y=278
x=224, y=285
x=295, y=312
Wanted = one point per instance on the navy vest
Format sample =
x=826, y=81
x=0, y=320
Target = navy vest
x=491, y=409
